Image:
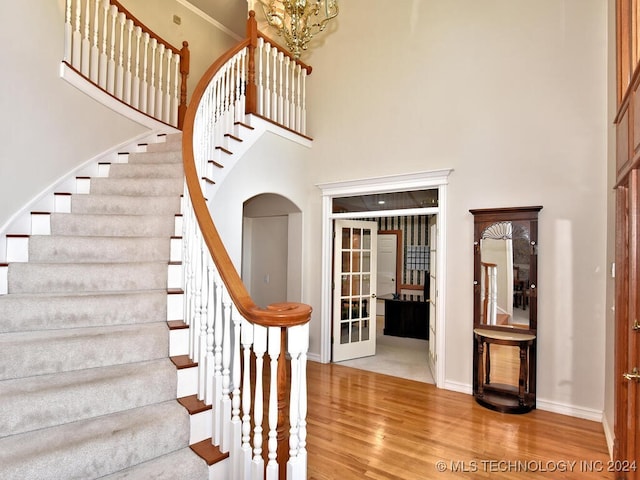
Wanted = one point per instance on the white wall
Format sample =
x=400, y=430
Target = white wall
x=512, y=95
x=48, y=127
x=269, y=251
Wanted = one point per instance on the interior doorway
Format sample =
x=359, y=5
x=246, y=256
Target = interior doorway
x=361, y=192
x=272, y=249
x=405, y=312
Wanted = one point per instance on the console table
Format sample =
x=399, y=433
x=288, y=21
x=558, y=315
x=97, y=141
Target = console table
x=405, y=317
x=504, y=398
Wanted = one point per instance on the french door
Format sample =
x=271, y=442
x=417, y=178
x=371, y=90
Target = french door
x=354, y=283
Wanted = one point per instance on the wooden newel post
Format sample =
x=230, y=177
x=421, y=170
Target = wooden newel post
x=252, y=89
x=283, y=408
x=184, y=73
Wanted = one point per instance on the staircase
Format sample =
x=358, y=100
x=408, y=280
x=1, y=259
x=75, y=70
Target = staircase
x=87, y=388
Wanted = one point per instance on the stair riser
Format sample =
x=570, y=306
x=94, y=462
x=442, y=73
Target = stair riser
x=49, y=400
x=49, y=249
x=54, y=278
x=52, y=312
x=66, y=350
x=122, y=225
x=129, y=186
x=124, y=205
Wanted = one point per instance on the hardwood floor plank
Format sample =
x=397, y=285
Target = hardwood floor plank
x=363, y=425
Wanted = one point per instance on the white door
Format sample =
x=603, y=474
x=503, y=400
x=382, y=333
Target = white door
x=433, y=292
x=354, y=281
x=387, y=258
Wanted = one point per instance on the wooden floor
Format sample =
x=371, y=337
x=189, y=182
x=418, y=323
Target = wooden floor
x=363, y=425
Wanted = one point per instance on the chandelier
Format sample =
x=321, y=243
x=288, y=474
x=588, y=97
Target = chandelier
x=297, y=21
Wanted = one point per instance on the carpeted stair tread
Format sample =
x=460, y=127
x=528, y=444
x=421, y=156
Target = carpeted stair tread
x=26, y=354
x=170, y=155
x=133, y=186
x=46, y=400
x=52, y=311
x=69, y=224
x=85, y=277
x=147, y=171
x=95, y=447
x=183, y=464
x=55, y=249
x=125, y=204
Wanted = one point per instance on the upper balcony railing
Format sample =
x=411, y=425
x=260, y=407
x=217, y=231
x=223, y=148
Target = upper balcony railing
x=116, y=52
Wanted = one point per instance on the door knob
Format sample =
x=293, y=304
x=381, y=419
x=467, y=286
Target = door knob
x=373, y=295
x=634, y=375
x=636, y=326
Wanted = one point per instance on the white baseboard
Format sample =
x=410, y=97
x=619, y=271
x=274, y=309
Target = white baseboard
x=314, y=357
x=570, y=410
x=609, y=435
x=458, y=387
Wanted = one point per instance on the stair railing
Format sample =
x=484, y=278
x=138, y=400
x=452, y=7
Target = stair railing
x=112, y=49
x=231, y=337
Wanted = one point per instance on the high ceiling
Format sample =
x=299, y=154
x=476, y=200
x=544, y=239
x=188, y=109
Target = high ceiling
x=231, y=13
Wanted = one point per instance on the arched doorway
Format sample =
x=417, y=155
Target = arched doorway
x=271, y=249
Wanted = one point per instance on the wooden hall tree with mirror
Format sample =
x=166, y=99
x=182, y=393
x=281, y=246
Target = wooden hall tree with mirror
x=627, y=285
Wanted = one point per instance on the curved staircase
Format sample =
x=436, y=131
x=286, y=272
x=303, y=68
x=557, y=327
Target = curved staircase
x=87, y=389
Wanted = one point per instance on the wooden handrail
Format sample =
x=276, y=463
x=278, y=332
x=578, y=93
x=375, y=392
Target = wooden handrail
x=144, y=28
x=286, y=314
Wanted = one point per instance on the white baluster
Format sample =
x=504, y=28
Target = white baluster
x=95, y=50
x=217, y=369
x=298, y=345
x=76, y=38
x=68, y=31
x=86, y=43
x=104, y=59
x=267, y=80
x=294, y=92
x=144, y=87
x=176, y=92
x=299, y=96
x=303, y=112
x=259, y=72
x=120, y=67
x=236, y=375
x=241, y=97
x=201, y=287
x=247, y=342
x=166, y=109
x=274, y=90
x=151, y=99
x=287, y=71
x=274, y=353
x=225, y=403
x=135, y=87
x=280, y=88
x=160, y=86
x=111, y=64
x=128, y=73
x=259, y=348
x=208, y=366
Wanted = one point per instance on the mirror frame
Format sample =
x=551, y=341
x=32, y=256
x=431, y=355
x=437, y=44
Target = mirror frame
x=484, y=218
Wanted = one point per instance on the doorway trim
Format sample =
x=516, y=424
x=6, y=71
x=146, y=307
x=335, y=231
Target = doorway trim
x=393, y=183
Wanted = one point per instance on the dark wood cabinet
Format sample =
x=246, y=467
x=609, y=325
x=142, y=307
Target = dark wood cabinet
x=404, y=317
